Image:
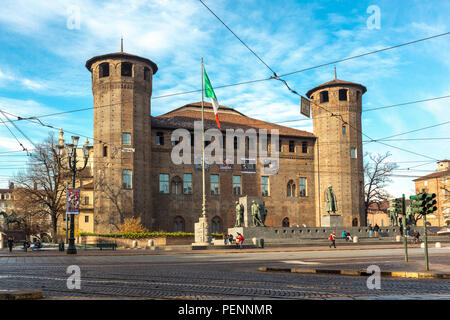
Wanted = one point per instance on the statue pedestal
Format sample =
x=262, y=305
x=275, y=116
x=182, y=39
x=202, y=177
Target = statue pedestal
x=202, y=234
x=332, y=220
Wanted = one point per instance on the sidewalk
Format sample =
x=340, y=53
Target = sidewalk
x=186, y=249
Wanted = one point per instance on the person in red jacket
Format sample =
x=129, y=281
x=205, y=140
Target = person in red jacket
x=240, y=240
x=332, y=238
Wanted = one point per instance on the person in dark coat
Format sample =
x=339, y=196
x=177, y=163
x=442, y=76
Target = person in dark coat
x=10, y=243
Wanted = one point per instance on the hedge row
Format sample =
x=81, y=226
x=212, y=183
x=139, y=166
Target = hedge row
x=141, y=235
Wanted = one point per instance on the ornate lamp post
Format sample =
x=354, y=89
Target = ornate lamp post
x=71, y=153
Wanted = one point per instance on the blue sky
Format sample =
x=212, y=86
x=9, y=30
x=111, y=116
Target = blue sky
x=42, y=63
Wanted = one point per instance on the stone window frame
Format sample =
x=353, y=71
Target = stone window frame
x=324, y=96
x=164, y=185
x=265, y=186
x=341, y=94
x=159, y=138
x=236, y=185
x=127, y=184
x=291, y=192
x=216, y=224
x=86, y=219
x=147, y=74
x=187, y=183
x=102, y=73
x=353, y=153
x=292, y=146
x=179, y=224
x=302, y=187
x=304, y=146
x=127, y=141
x=214, y=186
x=177, y=183
x=284, y=224
x=123, y=65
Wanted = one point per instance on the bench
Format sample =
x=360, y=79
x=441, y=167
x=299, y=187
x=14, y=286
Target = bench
x=106, y=245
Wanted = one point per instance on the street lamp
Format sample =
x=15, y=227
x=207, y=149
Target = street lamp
x=71, y=153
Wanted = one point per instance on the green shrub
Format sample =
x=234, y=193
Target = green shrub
x=141, y=235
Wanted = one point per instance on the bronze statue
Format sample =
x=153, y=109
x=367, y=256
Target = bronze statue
x=11, y=219
x=393, y=217
x=256, y=219
x=330, y=198
x=263, y=213
x=239, y=215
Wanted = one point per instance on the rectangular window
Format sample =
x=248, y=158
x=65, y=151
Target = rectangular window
x=86, y=200
x=302, y=187
x=324, y=96
x=127, y=69
x=304, y=147
x=353, y=153
x=342, y=94
x=280, y=146
x=214, y=184
x=127, y=179
x=105, y=151
x=265, y=186
x=237, y=185
x=86, y=219
x=344, y=130
x=126, y=138
x=164, y=183
x=187, y=183
x=160, y=138
x=291, y=146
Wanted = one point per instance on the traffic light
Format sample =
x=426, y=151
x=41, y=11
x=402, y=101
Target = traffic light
x=397, y=205
x=430, y=203
x=423, y=203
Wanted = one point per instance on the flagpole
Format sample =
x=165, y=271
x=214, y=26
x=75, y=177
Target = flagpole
x=203, y=148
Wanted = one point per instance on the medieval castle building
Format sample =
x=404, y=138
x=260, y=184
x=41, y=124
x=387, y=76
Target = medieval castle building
x=134, y=174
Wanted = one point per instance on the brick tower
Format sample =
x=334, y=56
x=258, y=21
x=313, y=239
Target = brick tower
x=336, y=109
x=122, y=89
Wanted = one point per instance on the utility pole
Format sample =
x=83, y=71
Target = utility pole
x=405, y=236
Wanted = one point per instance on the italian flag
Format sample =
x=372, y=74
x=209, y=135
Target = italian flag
x=209, y=93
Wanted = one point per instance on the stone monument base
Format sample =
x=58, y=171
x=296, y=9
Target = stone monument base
x=202, y=234
x=332, y=220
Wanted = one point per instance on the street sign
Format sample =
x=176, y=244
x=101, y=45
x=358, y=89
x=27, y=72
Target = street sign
x=305, y=107
x=128, y=149
x=73, y=201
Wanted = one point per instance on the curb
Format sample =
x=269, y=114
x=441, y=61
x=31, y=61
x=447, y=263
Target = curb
x=399, y=274
x=20, y=294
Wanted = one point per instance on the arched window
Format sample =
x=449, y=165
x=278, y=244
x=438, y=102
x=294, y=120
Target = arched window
x=355, y=222
x=285, y=222
x=291, y=189
x=216, y=225
x=177, y=185
x=323, y=96
x=178, y=224
x=127, y=69
x=103, y=70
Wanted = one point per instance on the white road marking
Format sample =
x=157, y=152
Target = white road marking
x=300, y=262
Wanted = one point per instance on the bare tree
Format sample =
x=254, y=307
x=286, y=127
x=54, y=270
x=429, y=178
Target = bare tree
x=119, y=199
x=377, y=172
x=43, y=185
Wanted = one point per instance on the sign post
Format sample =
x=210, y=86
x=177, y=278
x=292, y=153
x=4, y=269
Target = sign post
x=305, y=107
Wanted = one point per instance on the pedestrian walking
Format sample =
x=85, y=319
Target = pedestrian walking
x=225, y=239
x=408, y=230
x=370, y=230
x=332, y=238
x=376, y=229
x=10, y=243
x=240, y=240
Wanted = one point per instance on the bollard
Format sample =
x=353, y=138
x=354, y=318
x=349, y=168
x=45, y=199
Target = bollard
x=438, y=245
x=398, y=238
x=422, y=245
x=255, y=241
x=355, y=239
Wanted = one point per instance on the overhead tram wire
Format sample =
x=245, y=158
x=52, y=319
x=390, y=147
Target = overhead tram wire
x=15, y=137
